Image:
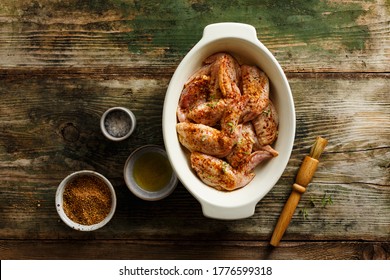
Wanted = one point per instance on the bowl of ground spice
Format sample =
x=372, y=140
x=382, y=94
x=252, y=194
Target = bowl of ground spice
x=85, y=200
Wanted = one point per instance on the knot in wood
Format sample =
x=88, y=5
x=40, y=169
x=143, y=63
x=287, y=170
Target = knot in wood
x=374, y=252
x=70, y=133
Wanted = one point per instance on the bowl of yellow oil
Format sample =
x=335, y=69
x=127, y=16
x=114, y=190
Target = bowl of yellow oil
x=148, y=173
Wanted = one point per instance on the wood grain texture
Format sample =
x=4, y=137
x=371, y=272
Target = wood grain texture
x=305, y=36
x=63, y=63
x=47, y=138
x=195, y=250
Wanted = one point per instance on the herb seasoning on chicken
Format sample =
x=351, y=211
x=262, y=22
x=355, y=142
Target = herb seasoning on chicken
x=227, y=121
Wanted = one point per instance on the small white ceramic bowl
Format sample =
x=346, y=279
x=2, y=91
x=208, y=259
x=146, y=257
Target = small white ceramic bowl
x=126, y=116
x=59, y=201
x=241, y=41
x=131, y=182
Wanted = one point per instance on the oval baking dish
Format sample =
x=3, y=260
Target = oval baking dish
x=241, y=41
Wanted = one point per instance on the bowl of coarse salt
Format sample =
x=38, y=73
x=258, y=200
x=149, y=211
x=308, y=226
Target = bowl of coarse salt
x=117, y=123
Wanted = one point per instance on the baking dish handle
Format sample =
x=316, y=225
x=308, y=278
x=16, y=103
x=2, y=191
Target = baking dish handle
x=229, y=29
x=223, y=213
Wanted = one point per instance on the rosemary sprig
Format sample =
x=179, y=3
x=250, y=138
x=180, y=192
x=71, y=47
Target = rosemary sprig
x=232, y=126
x=224, y=167
x=212, y=104
x=267, y=112
x=313, y=203
x=304, y=212
x=326, y=200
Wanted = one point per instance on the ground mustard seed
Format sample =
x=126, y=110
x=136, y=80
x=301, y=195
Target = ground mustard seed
x=87, y=200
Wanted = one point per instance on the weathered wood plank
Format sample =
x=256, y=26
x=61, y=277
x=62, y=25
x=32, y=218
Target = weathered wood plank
x=195, y=250
x=63, y=63
x=305, y=36
x=49, y=127
x=359, y=212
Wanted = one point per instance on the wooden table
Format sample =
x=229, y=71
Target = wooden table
x=63, y=63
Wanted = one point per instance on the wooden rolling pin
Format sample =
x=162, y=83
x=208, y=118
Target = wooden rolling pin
x=304, y=176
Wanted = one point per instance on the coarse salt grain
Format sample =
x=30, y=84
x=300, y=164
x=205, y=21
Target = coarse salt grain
x=117, y=123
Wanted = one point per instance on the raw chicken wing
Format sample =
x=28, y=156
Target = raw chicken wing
x=255, y=85
x=229, y=77
x=193, y=94
x=205, y=139
x=266, y=125
x=208, y=113
x=220, y=175
x=217, y=173
x=242, y=150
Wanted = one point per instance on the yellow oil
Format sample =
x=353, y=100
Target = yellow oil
x=152, y=171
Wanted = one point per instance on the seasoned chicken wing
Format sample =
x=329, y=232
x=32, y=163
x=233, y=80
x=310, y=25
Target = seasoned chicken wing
x=205, y=70
x=205, y=139
x=219, y=174
x=193, y=94
x=266, y=125
x=229, y=77
x=214, y=62
x=208, y=113
x=255, y=85
x=254, y=159
x=231, y=116
x=243, y=149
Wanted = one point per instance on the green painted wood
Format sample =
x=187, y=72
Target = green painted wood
x=305, y=36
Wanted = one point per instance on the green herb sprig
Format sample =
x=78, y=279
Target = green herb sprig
x=313, y=203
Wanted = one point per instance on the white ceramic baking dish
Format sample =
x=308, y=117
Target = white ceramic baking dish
x=241, y=41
